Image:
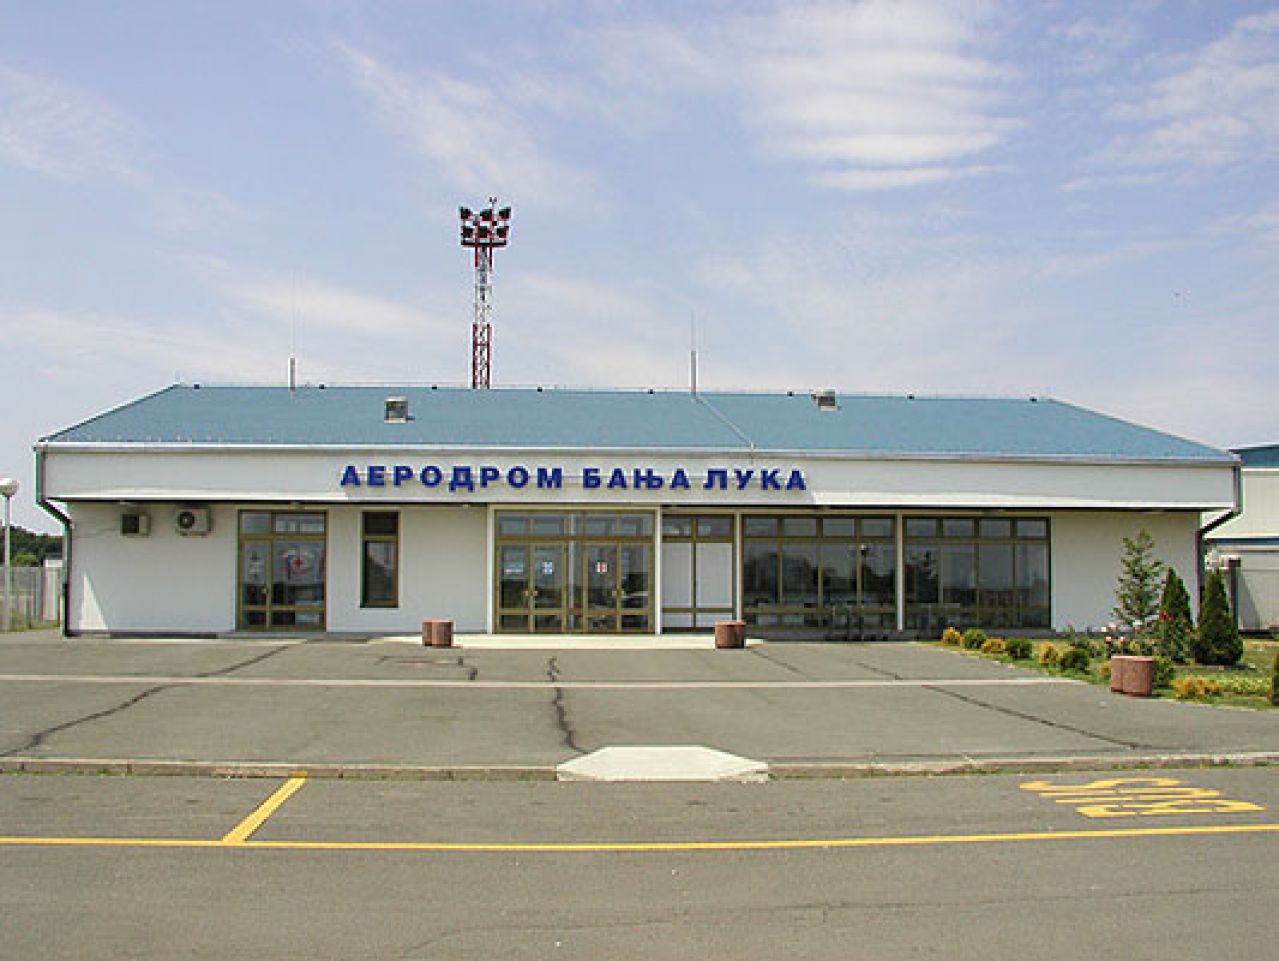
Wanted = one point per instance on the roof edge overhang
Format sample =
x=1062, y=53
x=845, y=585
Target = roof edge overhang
x=201, y=447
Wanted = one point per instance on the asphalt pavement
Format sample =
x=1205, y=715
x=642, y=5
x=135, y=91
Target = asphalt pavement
x=392, y=708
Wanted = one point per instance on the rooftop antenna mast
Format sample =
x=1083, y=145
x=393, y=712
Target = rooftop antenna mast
x=692, y=353
x=483, y=232
x=293, y=339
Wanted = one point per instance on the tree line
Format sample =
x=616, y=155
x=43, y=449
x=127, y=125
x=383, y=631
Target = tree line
x=31, y=548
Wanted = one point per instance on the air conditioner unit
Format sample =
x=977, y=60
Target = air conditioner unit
x=192, y=520
x=135, y=524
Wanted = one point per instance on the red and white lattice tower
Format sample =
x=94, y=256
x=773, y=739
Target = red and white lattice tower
x=484, y=232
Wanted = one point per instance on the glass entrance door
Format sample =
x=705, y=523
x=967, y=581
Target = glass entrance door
x=532, y=587
x=282, y=571
x=574, y=572
x=617, y=578
x=601, y=588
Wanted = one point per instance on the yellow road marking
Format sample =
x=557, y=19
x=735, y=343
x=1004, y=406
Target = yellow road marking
x=625, y=847
x=1125, y=797
x=241, y=832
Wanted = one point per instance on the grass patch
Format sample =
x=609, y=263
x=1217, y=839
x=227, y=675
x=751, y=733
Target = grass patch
x=1247, y=684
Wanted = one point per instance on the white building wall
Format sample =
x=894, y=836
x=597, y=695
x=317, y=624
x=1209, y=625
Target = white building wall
x=164, y=582
x=443, y=560
x=170, y=583
x=1260, y=517
x=143, y=473
x=1087, y=547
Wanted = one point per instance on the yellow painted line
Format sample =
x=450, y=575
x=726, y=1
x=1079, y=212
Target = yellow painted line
x=669, y=847
x=241, y=832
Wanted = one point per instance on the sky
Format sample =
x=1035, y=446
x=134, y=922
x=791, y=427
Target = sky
x=975, y=197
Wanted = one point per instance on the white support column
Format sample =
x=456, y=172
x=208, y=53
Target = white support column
x=656, y=586
x=738, y=555
x=490, y=558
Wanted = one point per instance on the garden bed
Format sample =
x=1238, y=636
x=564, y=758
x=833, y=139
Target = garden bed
x=1247, y=684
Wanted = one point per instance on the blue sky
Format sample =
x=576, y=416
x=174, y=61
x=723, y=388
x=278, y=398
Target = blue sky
x=1065, y=198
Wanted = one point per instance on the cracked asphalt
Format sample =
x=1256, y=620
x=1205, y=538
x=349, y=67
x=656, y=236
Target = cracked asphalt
x=1004, y=866
x=392, y=703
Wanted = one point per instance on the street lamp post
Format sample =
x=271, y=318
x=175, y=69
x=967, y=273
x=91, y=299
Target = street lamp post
x=8, y=487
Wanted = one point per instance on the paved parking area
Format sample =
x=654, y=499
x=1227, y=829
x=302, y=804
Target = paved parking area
x=798, y=707
x=1005, y=866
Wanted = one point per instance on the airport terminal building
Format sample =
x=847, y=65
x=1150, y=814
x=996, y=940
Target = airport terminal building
x=210, y=510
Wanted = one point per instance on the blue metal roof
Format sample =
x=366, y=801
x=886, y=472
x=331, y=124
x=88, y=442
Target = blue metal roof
x=453, y=417
x=1267, y=455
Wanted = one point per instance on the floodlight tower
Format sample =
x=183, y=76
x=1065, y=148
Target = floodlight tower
x=484, y=232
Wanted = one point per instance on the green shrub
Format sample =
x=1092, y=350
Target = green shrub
x=994, y=645
x=1074, y=659
x=1049, y=655
x=951, y=637
x=1137, y=593
x=1247, y=685
x=1019, y=648
x=1274, y=682
x=1218, y=640
x=974, y=638
x=1175, y=626
x=1195, y=688
x=1165, y=671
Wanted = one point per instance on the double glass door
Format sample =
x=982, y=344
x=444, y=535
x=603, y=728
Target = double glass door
x=574, y=584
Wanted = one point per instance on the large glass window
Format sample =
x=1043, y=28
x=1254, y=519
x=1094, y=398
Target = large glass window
x=697, y=570
x=990, y=572
x=835, y=573
x=379, y=573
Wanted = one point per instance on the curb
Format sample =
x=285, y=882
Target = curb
x=274, y=769
x=1019, y=765
x=776, y=772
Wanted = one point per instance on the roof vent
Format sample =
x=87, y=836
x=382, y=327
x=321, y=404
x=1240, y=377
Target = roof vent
x=825, y=399
x=397, y=410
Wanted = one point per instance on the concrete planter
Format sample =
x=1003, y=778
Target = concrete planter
x=437, y=633
x=730, y=634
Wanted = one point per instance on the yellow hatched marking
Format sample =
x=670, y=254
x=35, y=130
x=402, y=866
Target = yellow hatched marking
x=1123, y=797
x=242, y=831
x=640, y=847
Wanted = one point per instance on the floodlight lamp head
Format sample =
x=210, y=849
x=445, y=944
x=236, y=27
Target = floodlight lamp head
x=504, y=213
x=464, y=213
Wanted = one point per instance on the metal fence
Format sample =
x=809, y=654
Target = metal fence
x=35, y=596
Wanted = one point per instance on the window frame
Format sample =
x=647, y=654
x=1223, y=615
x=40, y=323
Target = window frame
x=367, y=539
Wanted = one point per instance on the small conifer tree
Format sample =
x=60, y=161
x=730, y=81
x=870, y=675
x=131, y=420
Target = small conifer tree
x=1137, y=594
x=1274, y=682
x=1218, y=640
x=1176, y=623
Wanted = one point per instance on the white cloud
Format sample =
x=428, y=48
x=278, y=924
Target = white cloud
x=60, y=131
x=875, y=95
x=1260, y=227
x=584, y=332
x=1091, y=46
x=866, y=96
x=314, y=304
x=85, y=343
x=1215, y=107
x=180, y=210
x=469, y=134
